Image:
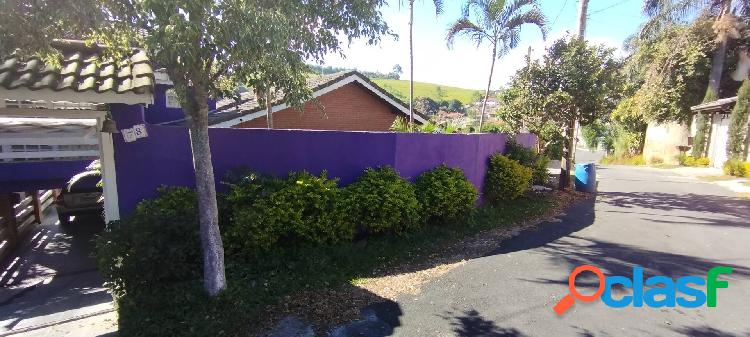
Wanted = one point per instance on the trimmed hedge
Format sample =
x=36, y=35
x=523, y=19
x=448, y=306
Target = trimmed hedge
x=445, y=194
x=380, y=201
x=531, y=159
x=737, y=168
x=266, y=211
x=506, y=179
x=157, y=245
x=693, y=162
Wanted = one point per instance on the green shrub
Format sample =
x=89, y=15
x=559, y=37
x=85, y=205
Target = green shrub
x=317, y=209
x=381, y=201
x=506, y=179
x=157, y=245
x=656, y=160
x=445, y=194
x=691, y=161
x=623, y=160
x=735, y=167
x=746, y=167
x=266, y=210
x=531, y=159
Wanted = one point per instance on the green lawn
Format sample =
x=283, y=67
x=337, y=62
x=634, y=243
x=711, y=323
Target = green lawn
x=400, y=89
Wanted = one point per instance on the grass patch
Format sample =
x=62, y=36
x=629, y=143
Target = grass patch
x=400, y=88
x=717, y=178
x=626, y=160
x=257, y=285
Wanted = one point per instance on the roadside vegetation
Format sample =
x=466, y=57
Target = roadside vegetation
x=435, y=92
x=298, y=234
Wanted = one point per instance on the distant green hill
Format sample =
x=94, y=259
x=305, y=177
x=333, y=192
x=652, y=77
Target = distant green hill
x=400, y=89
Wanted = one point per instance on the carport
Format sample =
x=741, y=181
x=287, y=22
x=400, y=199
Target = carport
x=82, y=89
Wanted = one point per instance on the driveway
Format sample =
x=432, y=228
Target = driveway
x=670, y=225
x=51, y=286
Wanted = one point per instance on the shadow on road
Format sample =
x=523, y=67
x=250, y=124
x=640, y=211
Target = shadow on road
x=578, y=217
x=669, y=202
x=473, y=324
x=706, y=331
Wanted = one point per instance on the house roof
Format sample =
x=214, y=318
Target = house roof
x=82, y=71
x=722, y=105
x=230, y=112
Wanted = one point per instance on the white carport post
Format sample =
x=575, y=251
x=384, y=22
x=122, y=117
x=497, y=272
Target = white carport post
x=109, y=175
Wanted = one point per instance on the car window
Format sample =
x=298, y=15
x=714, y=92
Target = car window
x=85, y=182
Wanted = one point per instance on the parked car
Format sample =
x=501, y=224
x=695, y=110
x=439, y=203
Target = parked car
x=82, y=195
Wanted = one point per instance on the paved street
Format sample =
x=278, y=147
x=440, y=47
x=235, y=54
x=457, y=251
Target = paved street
x=670, y=225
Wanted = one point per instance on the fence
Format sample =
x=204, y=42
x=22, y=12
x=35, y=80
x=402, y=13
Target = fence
x=164, y=156
x=17, y=218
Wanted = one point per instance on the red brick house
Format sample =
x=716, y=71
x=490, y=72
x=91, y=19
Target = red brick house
x=346, y=101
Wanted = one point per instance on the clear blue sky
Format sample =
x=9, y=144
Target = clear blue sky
x=610, y=22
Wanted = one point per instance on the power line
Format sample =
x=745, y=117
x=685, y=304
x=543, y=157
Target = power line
x=609, y=7
x=558, y=14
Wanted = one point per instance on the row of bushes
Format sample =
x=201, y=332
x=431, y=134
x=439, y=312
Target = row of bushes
x=737, y=168
x=691, y=161
x=261, y=213
x=636, y=160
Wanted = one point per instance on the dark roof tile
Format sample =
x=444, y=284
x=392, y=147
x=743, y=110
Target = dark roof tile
x=81, y=70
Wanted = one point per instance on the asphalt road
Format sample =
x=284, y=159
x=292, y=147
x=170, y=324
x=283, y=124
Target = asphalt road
x=669, y=225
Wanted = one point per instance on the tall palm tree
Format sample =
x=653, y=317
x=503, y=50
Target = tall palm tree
x=438, y=10
x=499, y=24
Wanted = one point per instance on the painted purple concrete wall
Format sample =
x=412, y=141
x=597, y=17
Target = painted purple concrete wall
x=159, y=113
x=39, y=175
x=164, y=157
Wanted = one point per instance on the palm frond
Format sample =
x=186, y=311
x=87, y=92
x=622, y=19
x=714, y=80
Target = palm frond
x=438, y=6
x=533, y=16
x=516, y=6
x=464, y=27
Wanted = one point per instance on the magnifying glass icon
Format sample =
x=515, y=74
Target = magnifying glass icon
x=566, y=302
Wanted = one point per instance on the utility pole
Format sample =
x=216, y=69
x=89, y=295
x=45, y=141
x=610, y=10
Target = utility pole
x=583, y=8
x=571, y=130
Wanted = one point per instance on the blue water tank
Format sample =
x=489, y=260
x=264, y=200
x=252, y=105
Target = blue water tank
x=586, y=177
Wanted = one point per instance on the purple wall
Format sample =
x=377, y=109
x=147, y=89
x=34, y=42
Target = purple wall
x=164, y=157
x=159, y=113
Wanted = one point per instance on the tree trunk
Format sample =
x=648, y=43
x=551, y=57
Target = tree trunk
x=565, y=168
x=214, y=280
x=269, y=109
x=411, y=62
x=717, y=62
x=489, y=83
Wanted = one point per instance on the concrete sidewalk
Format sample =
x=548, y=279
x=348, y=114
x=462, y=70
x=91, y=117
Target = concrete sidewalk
x=51, y=286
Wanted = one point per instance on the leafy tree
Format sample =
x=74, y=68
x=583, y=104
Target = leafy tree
x=397, y=71
x=737, y=143
x=498, y=24
x=30, y=25
x=426, y=105
x=726, y=27
x=669, y=71
x=205, y=47
x=438, y=10
x=575, y=82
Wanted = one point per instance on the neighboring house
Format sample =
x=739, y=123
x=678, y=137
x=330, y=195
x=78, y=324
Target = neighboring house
x=346, y=101
x=718, y=135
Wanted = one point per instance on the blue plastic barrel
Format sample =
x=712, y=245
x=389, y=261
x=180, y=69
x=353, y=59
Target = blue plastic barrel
x=586, y=177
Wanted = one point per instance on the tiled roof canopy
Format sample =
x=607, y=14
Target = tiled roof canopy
x=81, y=71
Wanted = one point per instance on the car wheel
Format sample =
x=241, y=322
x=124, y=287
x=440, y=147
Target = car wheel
x=64, y=218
